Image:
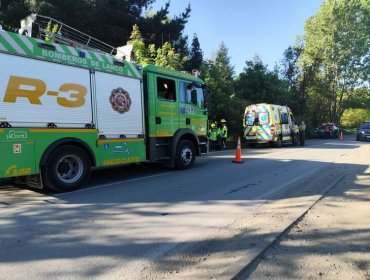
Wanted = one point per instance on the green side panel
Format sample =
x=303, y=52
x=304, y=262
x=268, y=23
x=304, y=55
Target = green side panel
x=18, y=158
x=198, y=119
x=23, y=149
x=167, y=111
x=120, y=151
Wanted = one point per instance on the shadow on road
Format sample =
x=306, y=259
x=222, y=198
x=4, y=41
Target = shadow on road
x=97, y=220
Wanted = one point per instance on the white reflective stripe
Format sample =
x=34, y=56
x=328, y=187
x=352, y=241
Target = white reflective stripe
x=59, y=48
x=134, y=69
x=72, y=50
x=27, y=42
x=12, y=43
x=87, y=55
x=109, y=58
x=2, y=48
x=98, y=56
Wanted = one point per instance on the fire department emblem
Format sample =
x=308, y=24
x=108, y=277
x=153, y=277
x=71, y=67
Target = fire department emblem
x=120, y=100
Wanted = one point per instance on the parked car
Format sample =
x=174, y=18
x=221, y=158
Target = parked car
x=363, y=132
x=327, y=130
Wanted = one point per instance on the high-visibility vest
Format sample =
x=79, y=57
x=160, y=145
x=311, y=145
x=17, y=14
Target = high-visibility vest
x=213, y=135
x=224, y=131
x=219, y=132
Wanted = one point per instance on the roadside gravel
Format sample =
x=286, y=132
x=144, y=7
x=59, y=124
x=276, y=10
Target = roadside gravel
x=332, y=241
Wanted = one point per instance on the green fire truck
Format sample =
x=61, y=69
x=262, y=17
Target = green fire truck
x=66, y=108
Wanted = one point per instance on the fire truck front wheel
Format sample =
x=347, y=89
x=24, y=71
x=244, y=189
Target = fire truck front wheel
x=67, y=168
x=185, y=154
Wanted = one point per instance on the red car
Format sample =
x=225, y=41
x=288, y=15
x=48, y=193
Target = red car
x=327, y=130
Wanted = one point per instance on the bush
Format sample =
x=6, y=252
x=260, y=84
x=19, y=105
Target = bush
x=353, y=117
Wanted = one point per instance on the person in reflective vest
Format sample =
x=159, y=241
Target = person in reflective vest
x=223, y=133
x=212, y=135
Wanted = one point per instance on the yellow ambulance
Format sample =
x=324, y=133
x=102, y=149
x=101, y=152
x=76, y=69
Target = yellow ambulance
x=269, y=123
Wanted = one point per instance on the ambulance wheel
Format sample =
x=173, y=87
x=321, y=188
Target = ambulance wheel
x=252, y=145
x=67, y=168
x=279, y=142
x=295, y=139
x=185, y=155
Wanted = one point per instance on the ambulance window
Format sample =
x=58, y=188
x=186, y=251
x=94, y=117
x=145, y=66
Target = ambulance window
x=166, y=89
x=263, y=117
x=249, y=118
x=284, y=118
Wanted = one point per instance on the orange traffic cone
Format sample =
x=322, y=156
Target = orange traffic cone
x=238, y=153
x=341, y=136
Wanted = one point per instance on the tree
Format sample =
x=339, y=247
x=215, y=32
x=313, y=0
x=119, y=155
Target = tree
x=181, y=47
x=256, y=84
x=11, y=12
x=158, y=27
x=165, y=56
x=337, y=48
x=195, y=58
x=109, y=21
x=297, y=77
x=218, y=74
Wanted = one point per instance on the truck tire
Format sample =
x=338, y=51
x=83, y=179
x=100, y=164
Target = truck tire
x=185, y=155
x=67, y=168
x=279, y=142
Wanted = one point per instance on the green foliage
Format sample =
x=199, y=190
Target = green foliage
x=337, y=48
x=218, y=74
x=256, y=84
x=165, y=56
x=11, y=12
x=109, y=21
x=51, y=31
x=353, y=117
x=195, y=59
x=159, y=27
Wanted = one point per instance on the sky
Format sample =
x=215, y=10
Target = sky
x=247, y=27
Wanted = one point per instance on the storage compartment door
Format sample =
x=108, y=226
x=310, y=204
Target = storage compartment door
x=119, y=107
x=34, y=93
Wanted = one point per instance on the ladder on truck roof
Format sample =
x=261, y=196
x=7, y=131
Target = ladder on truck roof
x=36, y=26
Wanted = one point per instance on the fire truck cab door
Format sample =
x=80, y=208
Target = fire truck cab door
x=166, y=106
x=193, y=114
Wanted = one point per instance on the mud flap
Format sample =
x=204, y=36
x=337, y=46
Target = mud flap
x=32, y=181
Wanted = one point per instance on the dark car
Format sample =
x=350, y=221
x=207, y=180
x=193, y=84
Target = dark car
x=363, y=132
x=327, y=130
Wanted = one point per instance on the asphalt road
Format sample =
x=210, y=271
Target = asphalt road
x=149, y=222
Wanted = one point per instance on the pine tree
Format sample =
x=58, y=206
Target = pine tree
x=195, y=58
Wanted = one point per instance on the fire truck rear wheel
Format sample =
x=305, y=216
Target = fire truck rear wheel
x=67, y=168
x=185, y=155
